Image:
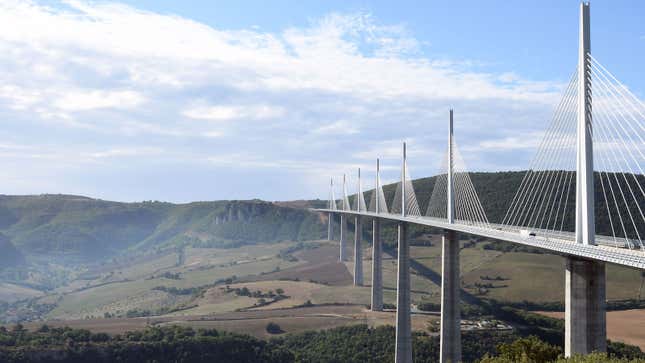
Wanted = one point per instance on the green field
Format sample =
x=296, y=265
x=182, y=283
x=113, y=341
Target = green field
x=523, y=276
x=12, y=292
x=132, y=287
x=306, y=273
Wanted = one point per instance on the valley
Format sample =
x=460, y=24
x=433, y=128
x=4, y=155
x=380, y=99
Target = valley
x=239, y=266
x=300, y=286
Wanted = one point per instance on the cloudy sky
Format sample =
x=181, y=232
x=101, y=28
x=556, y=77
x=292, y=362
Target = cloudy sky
x=206, y=100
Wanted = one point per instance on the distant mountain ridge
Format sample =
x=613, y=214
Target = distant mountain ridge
x=94, y=228
x=9, y=254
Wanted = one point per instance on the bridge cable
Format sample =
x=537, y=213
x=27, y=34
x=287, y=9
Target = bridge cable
x=617, y=166
x=617, y=112
x=515, y=210
x=523, y=205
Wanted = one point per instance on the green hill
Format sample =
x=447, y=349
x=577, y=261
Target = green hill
x=496, y=192
x=9, y=255
x=92, y=228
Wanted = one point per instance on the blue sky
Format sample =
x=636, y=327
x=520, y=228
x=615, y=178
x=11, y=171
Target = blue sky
x=204, y=100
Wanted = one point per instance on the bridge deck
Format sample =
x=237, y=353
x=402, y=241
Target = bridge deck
x=553, y=242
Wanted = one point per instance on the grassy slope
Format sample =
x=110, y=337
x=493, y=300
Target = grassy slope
x=9, y=255
x=531, y=277
x=496, y=191
x=131, y=287
x=95, y=228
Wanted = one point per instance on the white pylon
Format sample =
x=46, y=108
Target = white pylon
x=403, y=179
x=585, y=224
x=377, y=193
x=359, y=195
x=450, y=199
x=332, y=197
x=346, y=205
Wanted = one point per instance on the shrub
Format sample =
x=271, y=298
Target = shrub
x=273, y=328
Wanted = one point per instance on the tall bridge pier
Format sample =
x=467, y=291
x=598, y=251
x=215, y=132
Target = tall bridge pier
x=358, y=252
x=450, y=339
x=585, y=312
x=343, y=223
x=343, y=237
x=377, y=253
x=377, y=267
x=358, y=236
x=403, y=347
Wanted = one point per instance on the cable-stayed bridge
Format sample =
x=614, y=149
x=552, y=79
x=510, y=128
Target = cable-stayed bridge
x=593, y=147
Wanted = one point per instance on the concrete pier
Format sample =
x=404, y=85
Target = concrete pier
x=403, y=348
x=585, y=314
x=358, y=252
x=330, y=227
x=343, y=238
x=377, y=267
x=450, y=344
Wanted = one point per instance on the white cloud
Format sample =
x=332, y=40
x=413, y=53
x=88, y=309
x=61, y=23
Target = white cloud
x=393, y=150
x=389, y=149
x=226, y=113
x=213, y=134
x=127, y=152
x=19, y=99
x=340, y=127
x=526, y=141
x=107, y=81
x=325, y=56
x=509, y=77
x=8, y=146
x=89, y=100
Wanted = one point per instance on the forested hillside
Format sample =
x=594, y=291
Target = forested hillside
x=94, y=228
x=9, y=255
x=497, y=190
x=351, y=344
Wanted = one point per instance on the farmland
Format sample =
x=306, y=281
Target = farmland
x=623, y=326
x=300, y=286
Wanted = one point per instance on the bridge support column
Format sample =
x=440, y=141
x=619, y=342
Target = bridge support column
x=330, y=227
x=585, y=314
x=358, y=253
x=377, y=267
x=343, y=237
x=403, y=348
x=450, y=344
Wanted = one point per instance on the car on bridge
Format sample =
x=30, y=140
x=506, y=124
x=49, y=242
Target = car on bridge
x=526, y=233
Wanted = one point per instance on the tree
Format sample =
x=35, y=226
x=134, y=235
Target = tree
x=273, y=328
x=597, y=358
x=525, y=350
